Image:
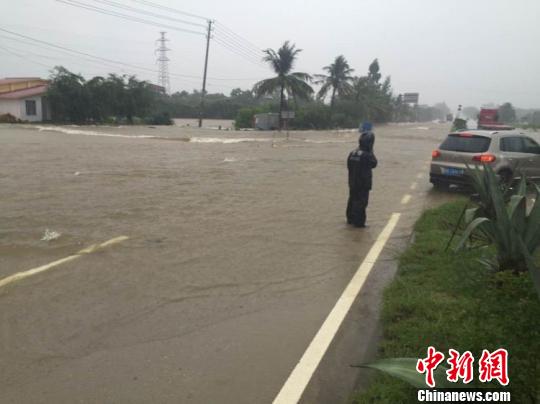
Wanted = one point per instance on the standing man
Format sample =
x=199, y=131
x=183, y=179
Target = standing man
x=360, y=164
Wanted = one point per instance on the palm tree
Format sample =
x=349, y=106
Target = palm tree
x=338, y=79
x=374, y=99
x=290, y=84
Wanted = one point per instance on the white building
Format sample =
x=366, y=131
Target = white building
x=24, y=98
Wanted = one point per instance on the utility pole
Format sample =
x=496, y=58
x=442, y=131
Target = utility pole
x=163, y=63
x=203, y=93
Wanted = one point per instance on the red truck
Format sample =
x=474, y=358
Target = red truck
x=488, y=118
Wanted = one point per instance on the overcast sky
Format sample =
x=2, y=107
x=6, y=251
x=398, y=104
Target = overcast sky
x=466, y=52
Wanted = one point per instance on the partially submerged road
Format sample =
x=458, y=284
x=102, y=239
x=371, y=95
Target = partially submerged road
x=235, y=251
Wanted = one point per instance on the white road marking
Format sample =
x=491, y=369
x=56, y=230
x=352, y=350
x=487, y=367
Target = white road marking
x=292, y=390
x=21, y=275
x=406, y=198
x=419, y=175
x=413, y=186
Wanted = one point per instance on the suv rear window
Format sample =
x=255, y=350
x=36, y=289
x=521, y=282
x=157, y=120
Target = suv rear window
x=467, y=144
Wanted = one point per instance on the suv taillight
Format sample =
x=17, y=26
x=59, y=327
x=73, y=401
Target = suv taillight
x=484, y=158
x=435, y=154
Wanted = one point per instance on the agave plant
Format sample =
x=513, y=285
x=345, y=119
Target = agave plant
x=405, y=369
x=503, y=221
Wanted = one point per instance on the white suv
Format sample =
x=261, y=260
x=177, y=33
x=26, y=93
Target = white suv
x=510, y=153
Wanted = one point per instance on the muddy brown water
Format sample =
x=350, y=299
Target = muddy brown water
x=237, y=251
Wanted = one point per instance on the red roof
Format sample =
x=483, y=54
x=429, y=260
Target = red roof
x=10, y=80
x=24, y=93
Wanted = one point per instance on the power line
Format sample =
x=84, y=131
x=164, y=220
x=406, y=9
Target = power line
x=258, y=54
x=88, y=55
x=232, y=49
x=229, y=38
x=78, y=4
x=29, y=52
x=225, y=28
x=100, y=61
x=230, y=44
x=65, y=52
x=218, y=25
x=172, y=10
x=23, y=57
x=147, y=13
x=226, y=38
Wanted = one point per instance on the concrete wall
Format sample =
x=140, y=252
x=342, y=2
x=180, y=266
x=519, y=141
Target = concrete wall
x=17, y=108
x=10, y=107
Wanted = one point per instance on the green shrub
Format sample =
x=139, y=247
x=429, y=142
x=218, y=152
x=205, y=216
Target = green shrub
x=159, y=119
x=312, y=116
x=244, y=117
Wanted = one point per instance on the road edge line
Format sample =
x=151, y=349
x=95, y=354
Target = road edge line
x=296, y=383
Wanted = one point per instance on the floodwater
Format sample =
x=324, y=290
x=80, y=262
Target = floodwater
x=237, y=251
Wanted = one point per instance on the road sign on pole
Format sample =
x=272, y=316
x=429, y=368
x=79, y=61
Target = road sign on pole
x=287, y=114
x=411, y=98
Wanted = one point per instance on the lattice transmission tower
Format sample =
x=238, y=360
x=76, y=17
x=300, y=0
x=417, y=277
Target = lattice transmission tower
x=163, y=62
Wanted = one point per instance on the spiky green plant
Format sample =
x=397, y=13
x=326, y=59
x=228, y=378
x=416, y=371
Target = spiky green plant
x=503, y=221
x=405, y=369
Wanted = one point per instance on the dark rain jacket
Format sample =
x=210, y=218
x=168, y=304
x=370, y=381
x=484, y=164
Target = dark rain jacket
x=360, y=164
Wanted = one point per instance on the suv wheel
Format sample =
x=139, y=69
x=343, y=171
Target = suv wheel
x=506, y=176
x=440, y=185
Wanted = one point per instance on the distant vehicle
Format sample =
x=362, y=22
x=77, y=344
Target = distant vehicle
x=510, y=153
x=488, y=119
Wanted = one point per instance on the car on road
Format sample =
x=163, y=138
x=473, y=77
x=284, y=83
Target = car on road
x=510, y=153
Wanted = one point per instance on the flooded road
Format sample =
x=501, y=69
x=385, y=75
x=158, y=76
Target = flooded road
x=237, y=250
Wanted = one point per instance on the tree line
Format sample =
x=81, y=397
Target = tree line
x=343, y=99
x=352, y=98
x=111, y=99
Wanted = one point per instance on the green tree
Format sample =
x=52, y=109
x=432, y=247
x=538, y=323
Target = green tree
x=291, y=84
x=139, y=98
x=507, y=113
x=374, y=75
x=338, y=78
x=75, y=100
x=373, y=98
x=68, y=96
x=99, y=103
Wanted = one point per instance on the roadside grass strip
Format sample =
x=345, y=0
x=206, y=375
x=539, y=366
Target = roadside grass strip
x=88, y=250
x=294, y=387
x=448, y=299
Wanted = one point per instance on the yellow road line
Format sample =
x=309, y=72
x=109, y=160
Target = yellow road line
x=294, y=387
x=25, y=274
